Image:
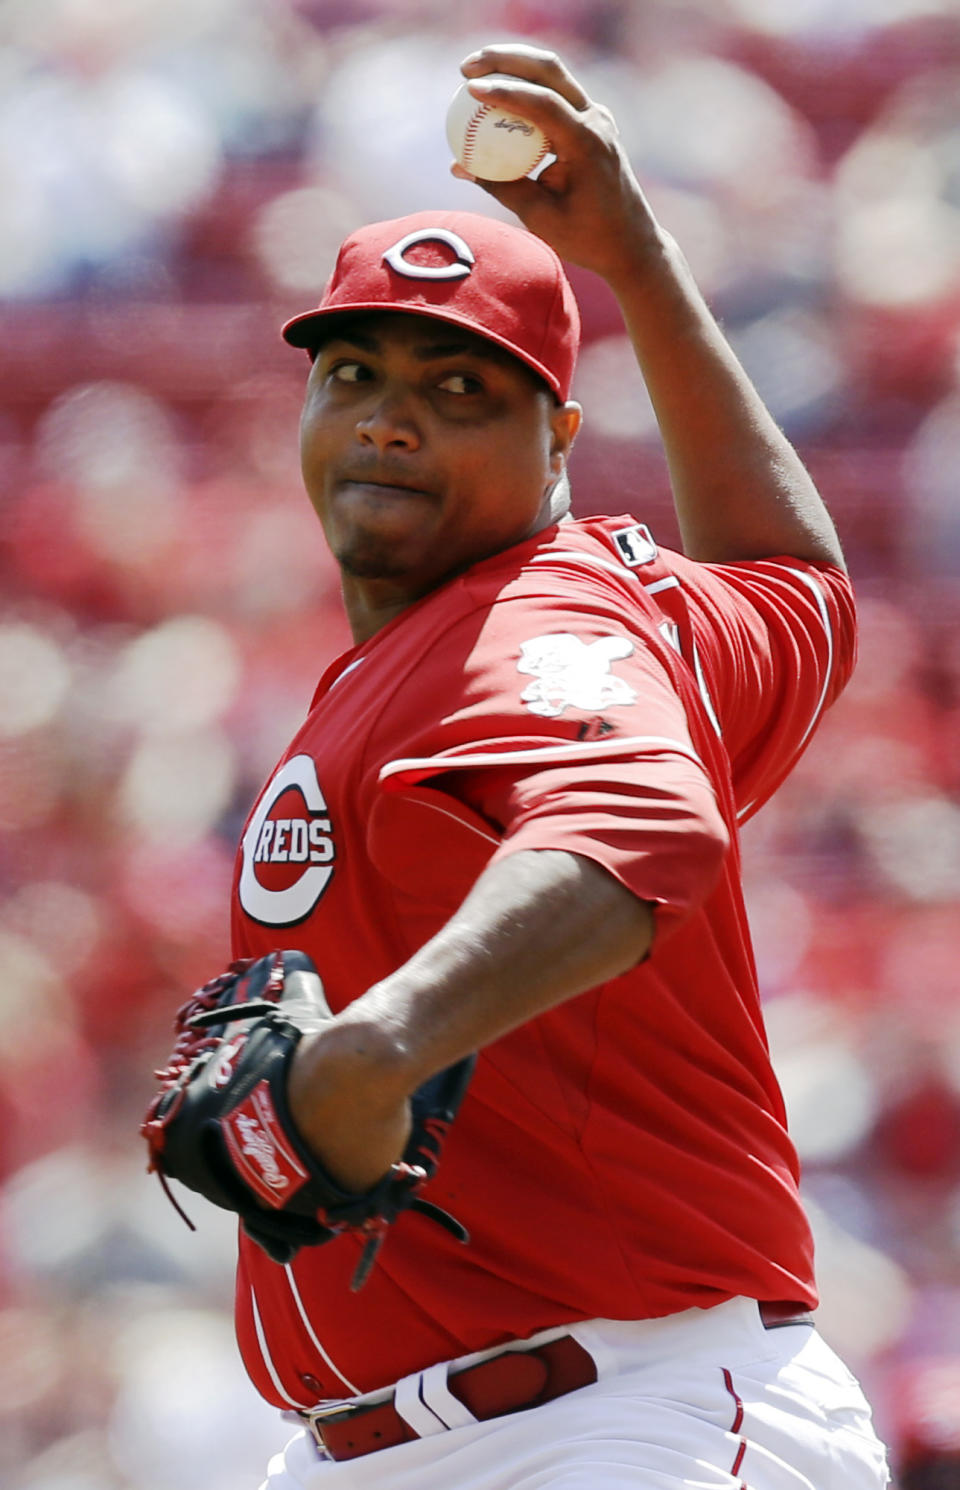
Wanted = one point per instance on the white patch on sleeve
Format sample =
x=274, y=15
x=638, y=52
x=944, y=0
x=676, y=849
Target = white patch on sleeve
x=570, y=673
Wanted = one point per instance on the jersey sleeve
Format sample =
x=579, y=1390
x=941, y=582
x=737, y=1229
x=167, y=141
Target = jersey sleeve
x=565, y=732
x=775, y=643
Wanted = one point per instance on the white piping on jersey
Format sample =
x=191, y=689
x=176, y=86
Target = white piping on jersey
x=348, y=669
x=311, y=1332
x=811, y=584
x=597, y=560
x=490, y=837
x=670, y=583
x=265, y=1353
x=705, y=698
x=818, y=595
x=562, y=751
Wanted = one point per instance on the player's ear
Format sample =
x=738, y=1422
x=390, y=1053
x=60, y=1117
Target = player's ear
x=564, y=424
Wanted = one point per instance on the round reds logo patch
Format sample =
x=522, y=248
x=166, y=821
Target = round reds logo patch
x=288, y=850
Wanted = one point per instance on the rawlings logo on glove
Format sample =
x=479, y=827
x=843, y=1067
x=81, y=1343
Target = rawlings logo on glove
x=220, y=1122
x=260, y=1152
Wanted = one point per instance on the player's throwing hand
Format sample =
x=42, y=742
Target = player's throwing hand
x=590, y=183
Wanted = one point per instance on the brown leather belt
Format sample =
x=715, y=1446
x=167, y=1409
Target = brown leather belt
x=774, y=1314
x=510, y=1382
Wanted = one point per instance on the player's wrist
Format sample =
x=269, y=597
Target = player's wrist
x=349, y=1064
x=347, y=1103
x=642, y=255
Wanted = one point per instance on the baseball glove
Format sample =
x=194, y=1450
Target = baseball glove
x=220, y=1122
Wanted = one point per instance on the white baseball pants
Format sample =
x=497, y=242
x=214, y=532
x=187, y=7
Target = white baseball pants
x=703, y=1400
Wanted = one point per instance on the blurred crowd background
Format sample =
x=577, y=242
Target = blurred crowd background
x=175, y=176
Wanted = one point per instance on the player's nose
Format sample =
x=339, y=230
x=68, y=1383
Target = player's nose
x=389, y=420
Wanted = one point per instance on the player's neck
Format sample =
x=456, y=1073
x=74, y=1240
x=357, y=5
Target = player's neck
x=372, y=603
x=370, y=606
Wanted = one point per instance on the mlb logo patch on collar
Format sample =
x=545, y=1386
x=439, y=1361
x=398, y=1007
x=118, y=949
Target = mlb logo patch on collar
x=635, y=545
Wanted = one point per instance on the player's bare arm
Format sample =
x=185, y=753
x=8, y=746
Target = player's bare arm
x=740, y=489
x=538, y=927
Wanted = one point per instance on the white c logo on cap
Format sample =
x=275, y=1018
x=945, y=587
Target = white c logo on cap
x=462, y=266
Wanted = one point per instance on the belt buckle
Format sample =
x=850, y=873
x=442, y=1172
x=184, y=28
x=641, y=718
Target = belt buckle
x=334, y=1413
x=331, y=1412
x=337, y=1410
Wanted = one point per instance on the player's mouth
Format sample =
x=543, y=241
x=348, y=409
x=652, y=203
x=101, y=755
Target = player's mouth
x=382, y=488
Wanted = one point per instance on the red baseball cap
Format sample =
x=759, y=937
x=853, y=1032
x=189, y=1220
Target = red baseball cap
x=494, y=279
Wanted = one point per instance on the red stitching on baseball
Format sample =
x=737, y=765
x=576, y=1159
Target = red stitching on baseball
x=472, y=126
x=544, y=151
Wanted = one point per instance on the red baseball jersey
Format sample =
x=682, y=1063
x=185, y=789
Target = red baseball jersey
x=624, y=1155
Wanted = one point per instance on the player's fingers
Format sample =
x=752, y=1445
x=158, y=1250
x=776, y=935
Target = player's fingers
x=560, y=121
x=530, y=63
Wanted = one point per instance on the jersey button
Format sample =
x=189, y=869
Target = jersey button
x=312, y=1385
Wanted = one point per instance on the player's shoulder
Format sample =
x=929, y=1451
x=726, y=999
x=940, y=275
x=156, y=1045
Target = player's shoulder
x=621, y=545
x=606, y=568
x=576, y=557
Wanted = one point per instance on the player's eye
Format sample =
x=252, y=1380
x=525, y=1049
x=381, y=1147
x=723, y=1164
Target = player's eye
x=348, y=371
x=461, y=383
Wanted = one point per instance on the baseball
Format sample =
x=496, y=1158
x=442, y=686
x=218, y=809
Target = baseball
x=491, y=143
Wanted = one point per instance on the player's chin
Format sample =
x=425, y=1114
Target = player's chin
x=366, y=565
x=371, y=555
x=389, y=543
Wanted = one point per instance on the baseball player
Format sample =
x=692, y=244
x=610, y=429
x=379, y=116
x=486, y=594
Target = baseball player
x=508, y=827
